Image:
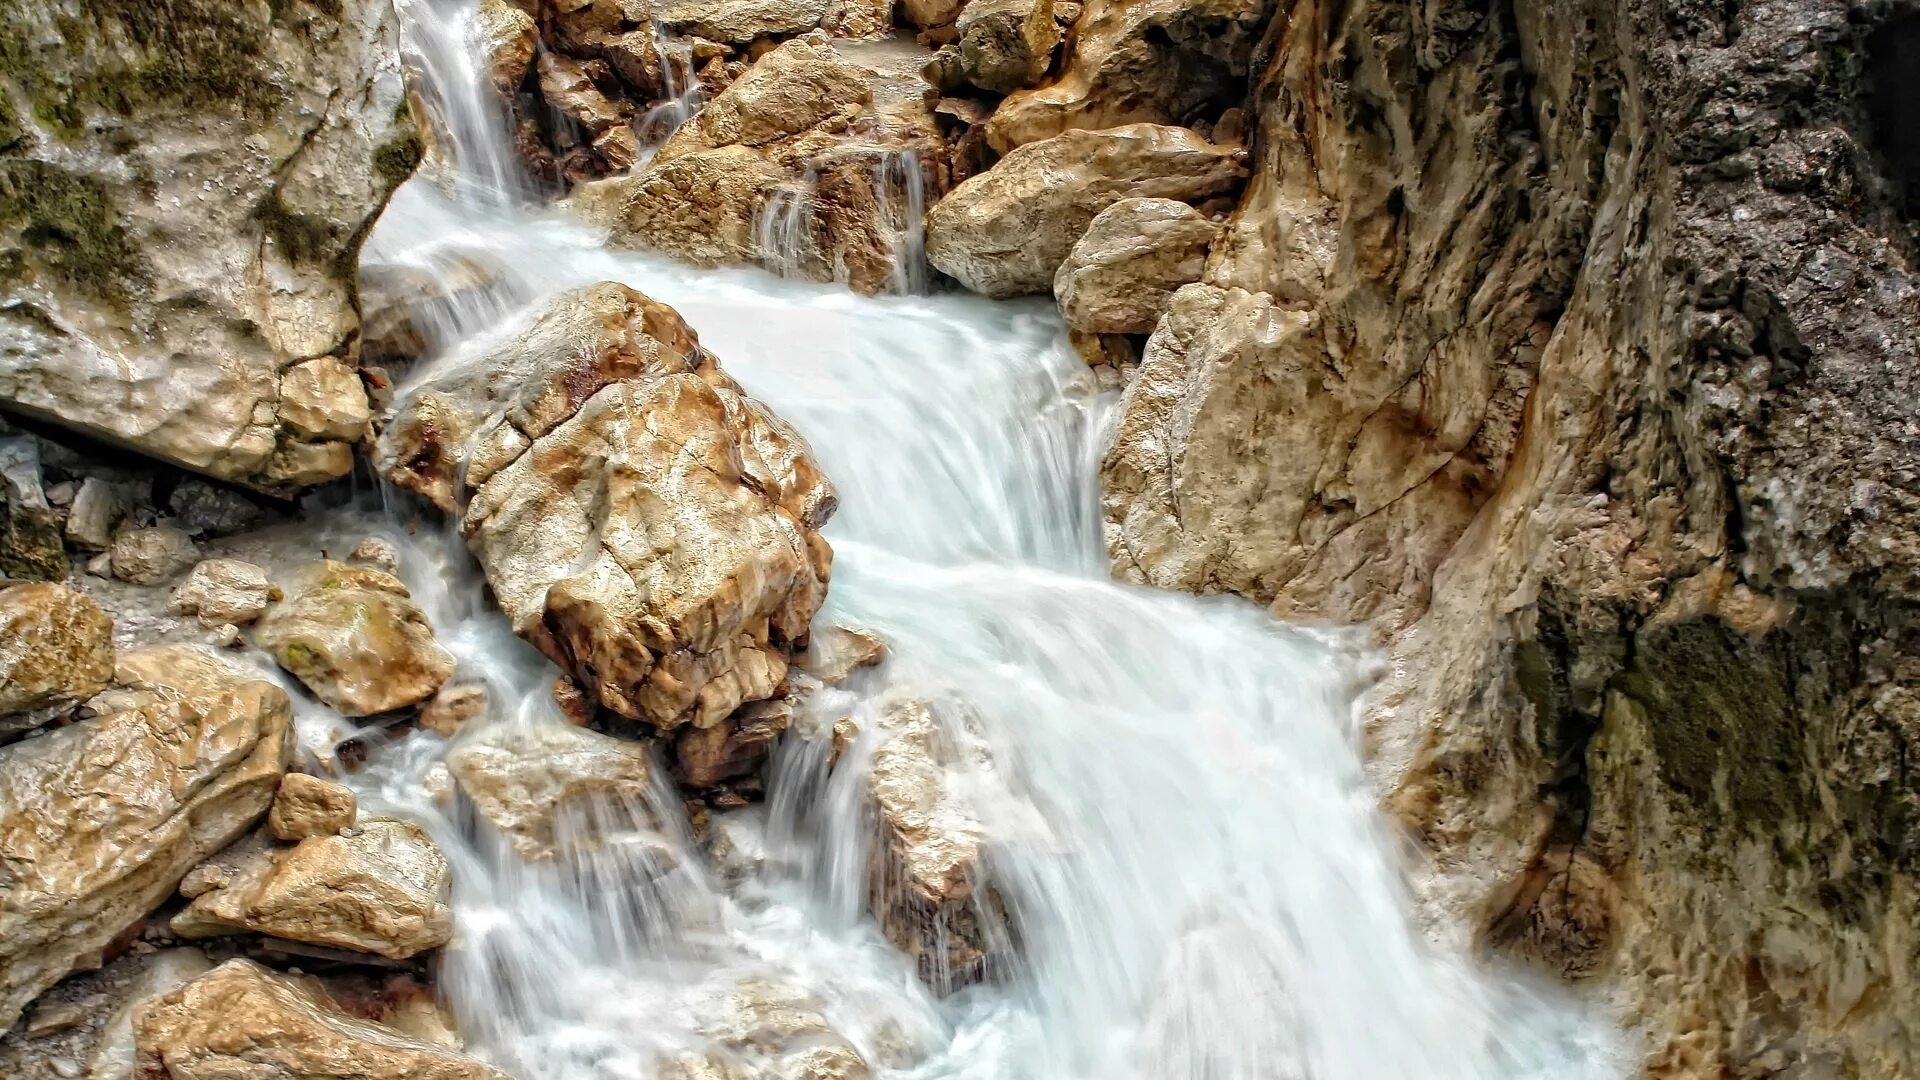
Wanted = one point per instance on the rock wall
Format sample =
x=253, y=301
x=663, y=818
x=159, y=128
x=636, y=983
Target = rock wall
x=183, y=192
x=1570, y=346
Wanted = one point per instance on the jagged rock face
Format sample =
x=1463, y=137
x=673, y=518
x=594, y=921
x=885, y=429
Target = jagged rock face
x=1006, y=231
x=380, y=887
x=1122, y=273
x=802, y=164
x=1566, y=346
x=241, y=1019
x=56, y=651
x=100, y=820
x=182, y=196
x=557, y=788
x=354, y=637
x=641, y=520
x=1140, y=61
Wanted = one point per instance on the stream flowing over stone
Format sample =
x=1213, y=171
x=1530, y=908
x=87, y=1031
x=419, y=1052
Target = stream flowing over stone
x=1019, y=820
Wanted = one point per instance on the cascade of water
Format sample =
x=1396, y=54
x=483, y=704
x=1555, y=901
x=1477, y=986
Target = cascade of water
x=448, y=77
x=681, y=94
x=780, y=227
x=1185, y=845
x=898, y=183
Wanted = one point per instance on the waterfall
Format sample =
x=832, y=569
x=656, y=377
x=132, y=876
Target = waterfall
x=1186, y=848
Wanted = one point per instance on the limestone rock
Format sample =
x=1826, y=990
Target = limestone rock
x=836, y=652
x=354, y=637
x=1005, y=44
x=671, y=578
x=740, y=21
x=309, y=806
x=242, y=1019
x=152, y=556
x=159, y=674
x=30, y=534
x=452, y=707
x=701, y=206
x=1140, y=61
x=733, y=748
x=381, y=887
x=56, y=651
x=322, y=400
x=508, y=37
x=931, y=14
x=97, y=507
x=1120, y=276
x=1006, y=231
x=84, y=1026
x=181, y=206
x=101, y=819
x=221, y=591
x=556, y=788
x=769, y=1028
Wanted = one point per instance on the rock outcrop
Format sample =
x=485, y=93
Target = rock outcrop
x=379, y=887
x=182, y=196
x=242, y=1019
x=1566, y=346
x=354, y=637
x=100, y=820
x=811, y=163
x=558, y=788
x=56, y=651
x=641, y=520
x=1006, y=231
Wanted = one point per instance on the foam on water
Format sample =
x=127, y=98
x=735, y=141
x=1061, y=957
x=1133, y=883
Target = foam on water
x=1201, y=883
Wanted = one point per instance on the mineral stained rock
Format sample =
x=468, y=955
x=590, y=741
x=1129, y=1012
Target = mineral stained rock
x=56, y=651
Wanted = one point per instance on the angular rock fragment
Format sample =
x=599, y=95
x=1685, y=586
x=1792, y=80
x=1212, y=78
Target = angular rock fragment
x=1006, y=231
x=30, y=545
x=222, y=591
x=452, y=707
x=740, y=21
x=508, y=38
x=354, y=637
x=733, y=748
x=641, y=521
x=835, y=653
x=546, y=788
x=97, y=508
x=243, y=1020
x=1123, y=271
x=152, y=556
x=100, y=820
x=309, y=806
x=381, y=887
x=56, y=651
x=1005, y=44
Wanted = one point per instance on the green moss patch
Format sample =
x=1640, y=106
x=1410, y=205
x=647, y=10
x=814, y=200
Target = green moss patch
x=67, y=223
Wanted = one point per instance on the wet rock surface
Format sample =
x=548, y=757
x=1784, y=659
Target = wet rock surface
x=672, y=578
x=353, y=636
x=56, y=651
x=1123, y=271
x=554, y=788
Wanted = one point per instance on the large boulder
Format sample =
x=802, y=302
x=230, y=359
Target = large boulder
x=56, y=651
x=182, y=198
x=641, y=520
x=547, y=788
x=1006, y=44
x=99, y=821
x=243, y=1020
x=812, y=163
x=1121, y=275
x=1140, y=61
x=380, y=887
x=354, y=637
x=1006, y=231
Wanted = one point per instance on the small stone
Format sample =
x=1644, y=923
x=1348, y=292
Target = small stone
x=56, y=651
x=378, y=552
x=62, y=493
x=309, y=806
x=836, y=652
x=206, y=509
x=574, y=703
x=226, y=635
x=355, y=638
x=152, y=556
x=101, y=565
x=30, y=535
x=222, y=591
x=97, y=508
x=452, y=707
x=323, y=399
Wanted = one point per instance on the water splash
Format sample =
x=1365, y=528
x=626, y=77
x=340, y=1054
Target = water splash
x=1182, y=836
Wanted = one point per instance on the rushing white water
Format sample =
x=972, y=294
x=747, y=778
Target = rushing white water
x=1201, y=884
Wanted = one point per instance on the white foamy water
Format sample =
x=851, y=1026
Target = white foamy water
x=1200, y=883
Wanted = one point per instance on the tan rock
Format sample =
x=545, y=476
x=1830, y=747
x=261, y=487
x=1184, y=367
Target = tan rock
x=1006, y=231
x=701, y=206
x=309, y=806
x=508, y=38
x=56, y=651
x=740, y=21
x=149, y=312
x=160, y=674
x=452, y=707
x=931, y=14
x=243, y=1020
x=1122, y=273
x=225, y=591
x=152, y=556
x=768, y=1028
x=1005, y=44
x=733, y=748
x=546, y=788
x=355, y=639
x=1140, y=61
x=100, y=820
x=322, y=400
x=381, y=887
x=84, y=1026
x=835, y=653
x=565, y=85
x=377, y=552
x=97, y=508
x=671, y=578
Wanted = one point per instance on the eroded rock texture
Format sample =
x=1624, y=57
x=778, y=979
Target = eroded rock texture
x=1570, y=346
x=183, y=192
x=641, y=520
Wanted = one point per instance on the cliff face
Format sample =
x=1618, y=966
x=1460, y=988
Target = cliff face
x=1572, y=346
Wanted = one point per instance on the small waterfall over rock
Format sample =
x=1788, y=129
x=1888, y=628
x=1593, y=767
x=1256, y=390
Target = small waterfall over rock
x=1166, y=858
